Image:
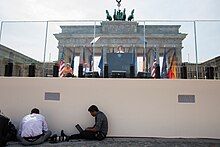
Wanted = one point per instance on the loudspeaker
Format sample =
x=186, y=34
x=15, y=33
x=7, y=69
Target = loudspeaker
x=132, y=72
x=31, y=72
x=8, y=69
x=80, y=71
x=210, y=72
x=157, y=72
x=91, y=74
x=144, y=75
x=118, y=74
x=183, y=72
x=106, y=71
x=55, y=71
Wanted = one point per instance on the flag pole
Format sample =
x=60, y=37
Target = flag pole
x=45, y=47
x=103, y=62
x=195, y=39
x=144, y=56
x=93, y=53
x=73, y=58
x=1, y=31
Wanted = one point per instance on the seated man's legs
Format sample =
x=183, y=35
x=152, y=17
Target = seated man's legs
x=42, y=138
x=47, y=134
x=88, y=135
x=24, y=141
x=38, y=141
x=84, y=135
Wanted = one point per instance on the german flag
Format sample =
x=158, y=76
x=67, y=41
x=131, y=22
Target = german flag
x=172, y=69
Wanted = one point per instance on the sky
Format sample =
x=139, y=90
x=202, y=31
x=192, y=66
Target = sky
x=28, y=38
x=94, y=9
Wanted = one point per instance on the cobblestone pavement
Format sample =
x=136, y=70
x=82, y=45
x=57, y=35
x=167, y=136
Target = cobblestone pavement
x=134, y=142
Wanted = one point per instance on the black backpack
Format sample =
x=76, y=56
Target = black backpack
x=8, y=131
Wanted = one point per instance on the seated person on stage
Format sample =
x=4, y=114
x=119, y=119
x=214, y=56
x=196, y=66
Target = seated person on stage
x=67, y=71
x=99, y=130
x=33, y=129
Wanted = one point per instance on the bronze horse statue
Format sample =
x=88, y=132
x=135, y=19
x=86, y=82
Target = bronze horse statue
x=108, y=16
x=124, y=15
x=131, y=17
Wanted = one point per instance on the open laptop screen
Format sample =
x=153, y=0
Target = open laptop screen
x=79, y=128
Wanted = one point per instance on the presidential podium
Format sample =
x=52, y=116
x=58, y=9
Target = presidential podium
x=119, y=65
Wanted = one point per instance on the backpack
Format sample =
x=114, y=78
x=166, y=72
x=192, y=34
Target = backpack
x=8, y=131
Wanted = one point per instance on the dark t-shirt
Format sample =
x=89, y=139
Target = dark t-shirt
x=101, y=122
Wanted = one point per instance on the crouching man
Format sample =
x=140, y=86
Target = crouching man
x=33, y=129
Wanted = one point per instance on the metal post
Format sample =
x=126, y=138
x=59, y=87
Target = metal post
x=196, y=49
x=93, y=56
x=45, y=48
x=103, y=61
x=1, y=31
x=144, y=57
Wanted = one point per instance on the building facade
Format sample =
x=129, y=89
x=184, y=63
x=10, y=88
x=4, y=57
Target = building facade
x=21, y=63
x=202, y=68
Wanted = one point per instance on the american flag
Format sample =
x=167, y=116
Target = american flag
x=61, y=67
x=153, y=67
x=61, y=64
x=172, y=68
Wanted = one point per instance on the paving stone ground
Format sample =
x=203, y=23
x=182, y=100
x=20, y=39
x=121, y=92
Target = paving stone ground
x=134, y=142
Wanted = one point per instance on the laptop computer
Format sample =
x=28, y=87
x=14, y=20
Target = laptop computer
x=79, y=128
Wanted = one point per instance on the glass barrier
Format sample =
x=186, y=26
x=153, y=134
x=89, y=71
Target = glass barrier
x=153, y=48
x=22, y=44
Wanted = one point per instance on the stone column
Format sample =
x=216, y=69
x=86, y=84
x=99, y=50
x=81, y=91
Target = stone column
x=81, y=56
x=151, y=58
x=179, y=62
x=105, y=51
x=60, y=52
x=179, y=56
x=135, y=59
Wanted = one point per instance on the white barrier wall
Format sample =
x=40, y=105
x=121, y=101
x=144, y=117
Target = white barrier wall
x=134, y=107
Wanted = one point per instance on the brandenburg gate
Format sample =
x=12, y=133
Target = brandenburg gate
x=130, y=36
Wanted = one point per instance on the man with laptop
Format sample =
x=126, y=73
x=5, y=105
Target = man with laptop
x=98, y=131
